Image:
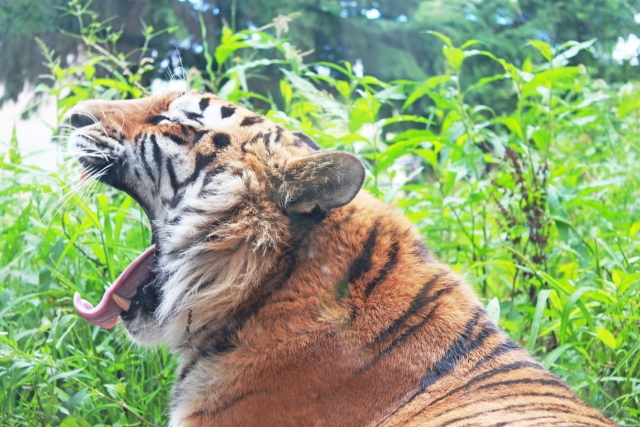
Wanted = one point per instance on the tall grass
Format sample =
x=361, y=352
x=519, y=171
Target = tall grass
x=537, y=206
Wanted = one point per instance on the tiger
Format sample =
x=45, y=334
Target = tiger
x=291, y=296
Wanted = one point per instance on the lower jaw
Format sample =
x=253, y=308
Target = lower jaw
x=145, y=301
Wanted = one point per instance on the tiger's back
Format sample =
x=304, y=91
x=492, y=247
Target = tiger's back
x=295, y=299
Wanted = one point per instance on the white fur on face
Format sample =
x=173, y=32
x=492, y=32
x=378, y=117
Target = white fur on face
x=185, y=107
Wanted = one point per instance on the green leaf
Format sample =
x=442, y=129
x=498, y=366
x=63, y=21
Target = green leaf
x=568, y=308
x=512, y=124
x=454, y=56
x=470, y=43
x=223, y=52
x=74, y=421
x=426, y=87
x=544, y=48
x=14, y=150
x=537, y=318
x=554, y=355
x=89, y=71
x=404, y=119
x=442, y=37
x=574, y=48
x=394, y=92
x=606, y=337
x=483, y=82
x=493, y=310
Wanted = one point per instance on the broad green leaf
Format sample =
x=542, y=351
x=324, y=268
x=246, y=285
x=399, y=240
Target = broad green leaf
x=454, y=56
x=544, y=48
x=606, y=337
x=426, y=87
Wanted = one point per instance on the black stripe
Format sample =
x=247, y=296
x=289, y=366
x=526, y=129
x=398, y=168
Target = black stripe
x=143, y=154
x=362, y=263
x=202, y=161
x=251, y=120
x=391, y=262
x=522, y=408
x=184, y=372
x=197, y=136
x=302, y=138
x=204, y=103
x=175, y=138
x=572, y=423
x=464, y=344
x=460, y=348
x=156, y=119
x=251, y=141
x=554, y=382
x=221, y=140
x=157, y=156
x=417, y=304
x=172, y=175
x=459, y=405
x=396, y=342
x=519, y=420
x=175, y=200
x=193, y=116
x=503, y=348
x=209, y=177
x=226, y=112
x=222, y=407
x=410, y=331
x=489, y=374
x=571, y=397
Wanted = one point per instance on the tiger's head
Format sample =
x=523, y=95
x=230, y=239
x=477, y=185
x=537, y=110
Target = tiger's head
x=221, y=186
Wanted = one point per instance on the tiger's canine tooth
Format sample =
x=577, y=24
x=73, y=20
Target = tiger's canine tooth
x=122, y=302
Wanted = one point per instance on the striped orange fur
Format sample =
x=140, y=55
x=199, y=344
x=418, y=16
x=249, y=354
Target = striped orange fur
x=292, y=297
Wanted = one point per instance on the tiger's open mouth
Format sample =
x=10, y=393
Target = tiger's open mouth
x=117, y=298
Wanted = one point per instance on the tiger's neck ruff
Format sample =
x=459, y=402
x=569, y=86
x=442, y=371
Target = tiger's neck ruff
x=291, y=297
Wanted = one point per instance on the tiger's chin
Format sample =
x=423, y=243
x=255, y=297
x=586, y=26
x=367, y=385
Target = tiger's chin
x=138, y=315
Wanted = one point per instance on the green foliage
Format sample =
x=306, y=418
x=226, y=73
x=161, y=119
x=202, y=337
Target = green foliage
x=333, y=30
x=536, y=206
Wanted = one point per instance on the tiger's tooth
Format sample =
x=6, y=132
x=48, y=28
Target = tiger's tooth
x=122, y=302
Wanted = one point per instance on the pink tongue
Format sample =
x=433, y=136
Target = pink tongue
x=107, y=312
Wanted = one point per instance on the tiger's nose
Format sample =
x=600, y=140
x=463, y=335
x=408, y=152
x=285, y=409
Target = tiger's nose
x=79, y=120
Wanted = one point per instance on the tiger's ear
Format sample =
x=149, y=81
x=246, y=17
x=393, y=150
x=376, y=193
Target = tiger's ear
x=328, y=180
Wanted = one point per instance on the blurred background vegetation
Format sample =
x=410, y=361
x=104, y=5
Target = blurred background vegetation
x=506, y=130
x=383, y=35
